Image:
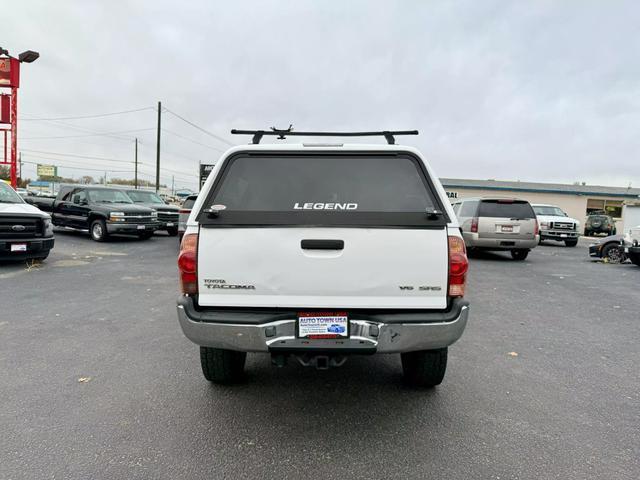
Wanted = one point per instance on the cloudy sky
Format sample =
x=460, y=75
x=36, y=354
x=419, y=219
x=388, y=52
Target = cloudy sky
x=536, y=90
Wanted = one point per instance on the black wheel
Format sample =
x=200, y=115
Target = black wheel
x=172, y=231
x=98, y=230
x=613, y=232
x=424, y=368
x=222, y=366
x=145, y=235
x=587, y=233
x=42, y=258
x=519, y=254
x=540, y=240
x=571, y=243
x=635, y=258
x=613, y=253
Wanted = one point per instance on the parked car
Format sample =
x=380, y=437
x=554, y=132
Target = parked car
x=25, y=231
x=555, y=224
x=184, y=212
x=598, y=223
x=321, y=252
x=101, y=210
x=632, y=245
x=499, y=224
x=167, y=214
x=609, y=248
x=22, y=192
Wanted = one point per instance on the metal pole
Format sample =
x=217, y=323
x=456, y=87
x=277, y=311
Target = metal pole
x=172, y=184
x=20, y=166
x=158, y=148
x=135, y=179
x=14, y=135
x=5, y=146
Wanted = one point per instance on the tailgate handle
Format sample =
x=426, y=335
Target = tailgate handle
x=322, y=244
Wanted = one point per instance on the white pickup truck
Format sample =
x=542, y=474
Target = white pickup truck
x=318, y=252
x=557, y=225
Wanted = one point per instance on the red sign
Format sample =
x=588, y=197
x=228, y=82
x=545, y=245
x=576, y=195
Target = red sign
x=5, y=108
x=9, y=72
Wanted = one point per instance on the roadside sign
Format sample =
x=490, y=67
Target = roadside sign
x=5, y=108
x=205, y=170
x=47, y=170
x=9, y=72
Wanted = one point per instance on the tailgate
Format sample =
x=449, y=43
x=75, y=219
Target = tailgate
x=375, y=268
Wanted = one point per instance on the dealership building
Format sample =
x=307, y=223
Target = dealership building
x=623, y=204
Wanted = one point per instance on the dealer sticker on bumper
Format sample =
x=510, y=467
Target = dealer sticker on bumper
x=323, y=324
x=18, y=247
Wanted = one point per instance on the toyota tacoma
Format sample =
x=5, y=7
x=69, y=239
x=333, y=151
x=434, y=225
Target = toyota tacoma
x=320, y=251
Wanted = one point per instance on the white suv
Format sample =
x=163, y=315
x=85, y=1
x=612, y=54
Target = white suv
x=319, y=252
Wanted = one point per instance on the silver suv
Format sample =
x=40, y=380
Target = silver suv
x=506, y=224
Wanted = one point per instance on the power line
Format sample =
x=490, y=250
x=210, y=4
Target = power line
x=102, y=159
x=191, y=140
x=199, y=128
x=80, y=168
x=99, y=115
x=67, y=126
x=60, y=154
x=88, y=135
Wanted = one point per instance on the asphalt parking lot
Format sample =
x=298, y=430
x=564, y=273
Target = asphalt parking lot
x=97, y=381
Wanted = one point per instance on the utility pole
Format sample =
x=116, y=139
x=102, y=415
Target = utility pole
x=135, y=178
x=172, y=184
x=158, y=148
x=20, y=166
x=105, y=179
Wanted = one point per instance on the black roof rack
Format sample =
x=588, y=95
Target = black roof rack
x=284, y=133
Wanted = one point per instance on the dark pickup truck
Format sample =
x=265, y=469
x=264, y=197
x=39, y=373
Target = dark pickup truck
x=167, y=214
x=101, y=210
x=25, y=231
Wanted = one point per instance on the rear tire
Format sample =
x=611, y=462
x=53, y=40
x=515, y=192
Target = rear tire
x=571, y=243
x=519, y=254
x=172, y=232
x=635, y=258
x=222, y=366
x=587, y=233
x=98, y=230
x=424, y=368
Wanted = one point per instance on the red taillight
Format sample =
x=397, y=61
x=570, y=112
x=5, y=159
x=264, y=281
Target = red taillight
x=184, y=211
x=188, y=264
x=474, y=225
x=458, y=266
x=536, y=229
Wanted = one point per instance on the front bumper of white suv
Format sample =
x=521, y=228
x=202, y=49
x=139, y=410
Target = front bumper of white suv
x=275, y=331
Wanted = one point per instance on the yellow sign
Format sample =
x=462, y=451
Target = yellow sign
x=47, y=171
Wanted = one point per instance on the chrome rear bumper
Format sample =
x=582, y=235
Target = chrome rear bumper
x=366, y=335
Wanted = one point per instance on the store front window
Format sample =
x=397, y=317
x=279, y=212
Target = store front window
x=609, y=207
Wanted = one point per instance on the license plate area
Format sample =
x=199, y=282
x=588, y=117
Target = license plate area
x=506, y=228
x=18, y=247
x=320, y=325
x=140, y=227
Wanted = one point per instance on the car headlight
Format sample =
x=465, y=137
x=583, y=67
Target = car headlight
x=48, y=227
x=544, y=224
x=116, y=216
